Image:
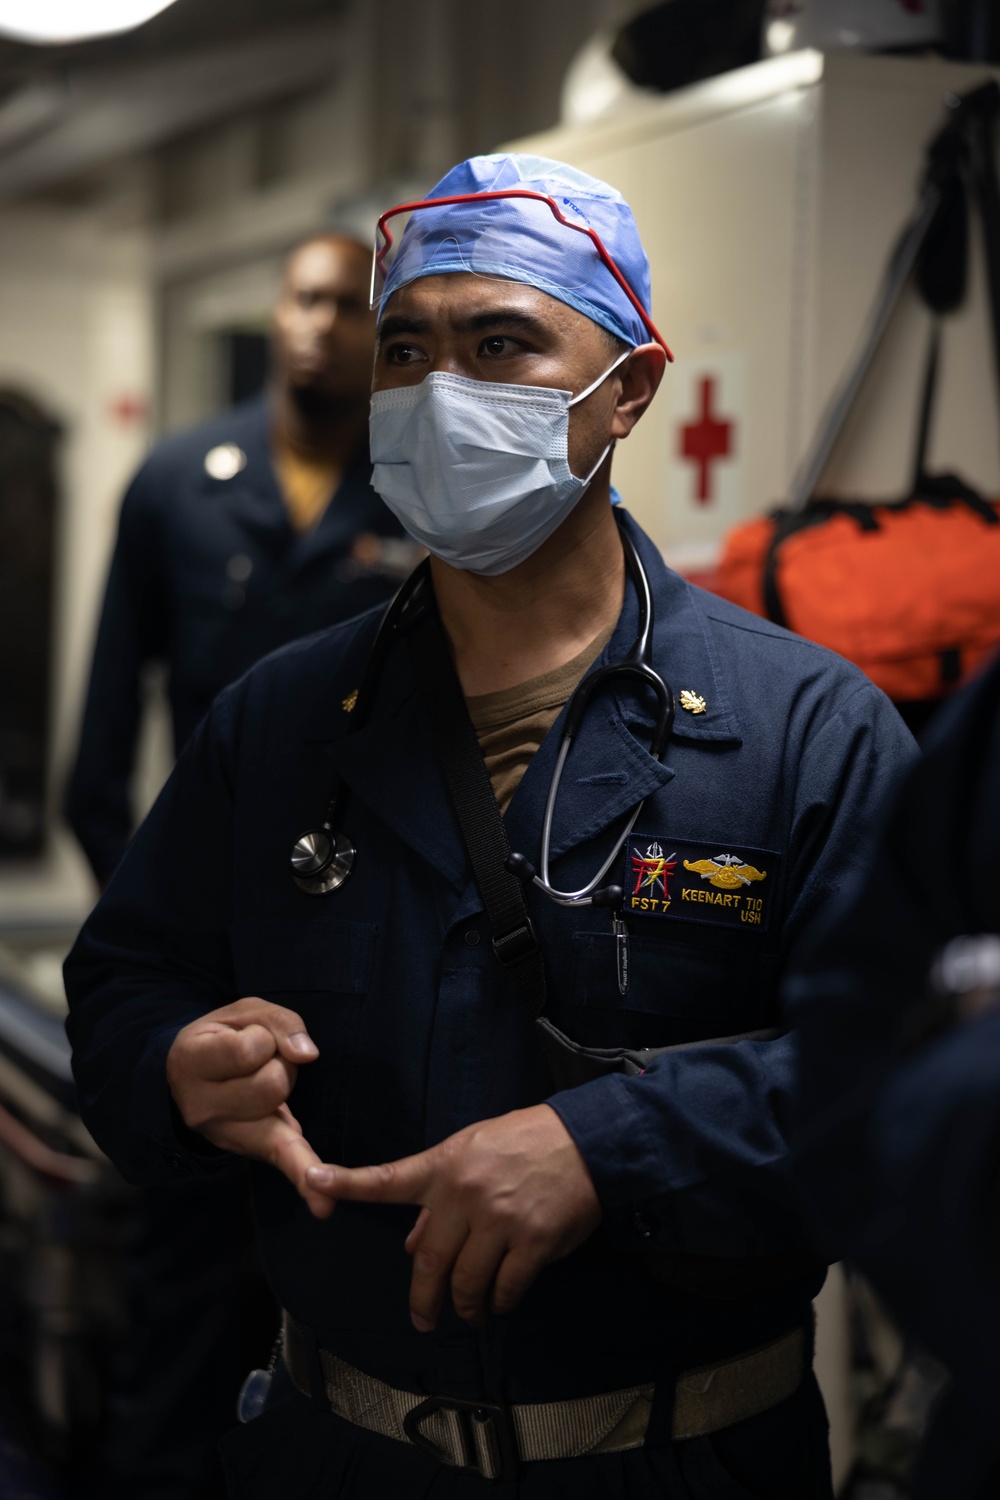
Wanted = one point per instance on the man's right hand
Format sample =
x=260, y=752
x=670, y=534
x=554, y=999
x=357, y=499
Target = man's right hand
x=231, y=1073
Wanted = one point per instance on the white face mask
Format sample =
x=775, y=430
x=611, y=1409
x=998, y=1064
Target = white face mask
x=478, y=472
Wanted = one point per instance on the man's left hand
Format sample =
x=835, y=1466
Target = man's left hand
x=498, y=1201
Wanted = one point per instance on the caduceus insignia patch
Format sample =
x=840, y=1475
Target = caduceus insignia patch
x=732, y=888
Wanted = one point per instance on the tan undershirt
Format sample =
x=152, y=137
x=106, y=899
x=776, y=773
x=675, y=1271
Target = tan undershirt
x=307, y=480
x=510, y=725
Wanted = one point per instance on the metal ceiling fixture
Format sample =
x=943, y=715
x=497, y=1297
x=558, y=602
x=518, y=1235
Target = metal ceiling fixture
x=865, y=25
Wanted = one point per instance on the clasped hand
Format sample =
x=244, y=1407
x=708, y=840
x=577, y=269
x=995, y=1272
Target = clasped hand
x=498, y=1200
x=230, y=1074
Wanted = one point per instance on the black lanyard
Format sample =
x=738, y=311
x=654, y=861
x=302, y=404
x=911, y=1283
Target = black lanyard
x=515, y=941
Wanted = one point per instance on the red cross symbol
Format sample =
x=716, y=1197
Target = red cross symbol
x=127, y=409
x=706, y=439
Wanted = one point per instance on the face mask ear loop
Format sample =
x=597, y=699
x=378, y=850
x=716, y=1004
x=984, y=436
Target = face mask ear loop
x=601, y=379
x=586, y=482
x=583, y=396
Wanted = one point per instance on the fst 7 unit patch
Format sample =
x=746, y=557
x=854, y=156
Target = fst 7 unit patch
x=728, y=887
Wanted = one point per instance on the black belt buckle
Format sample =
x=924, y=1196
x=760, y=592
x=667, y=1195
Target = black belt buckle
x=468, y=1412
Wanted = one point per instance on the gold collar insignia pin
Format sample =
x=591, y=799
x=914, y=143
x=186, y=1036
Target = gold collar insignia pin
x=348, y=704
x=692, y=702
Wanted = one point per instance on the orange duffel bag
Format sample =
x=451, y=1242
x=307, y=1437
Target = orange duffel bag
x=908, y=590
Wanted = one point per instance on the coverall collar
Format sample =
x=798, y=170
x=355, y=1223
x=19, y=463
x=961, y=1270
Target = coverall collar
x=683, y=652
x=391, y=765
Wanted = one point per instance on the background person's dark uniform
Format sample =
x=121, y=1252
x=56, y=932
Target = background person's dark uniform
x=208, y=575
x=900, y=1127
x=420, y=1031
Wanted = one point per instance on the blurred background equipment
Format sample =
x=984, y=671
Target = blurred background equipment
x=682, y=41
x=668, y=46
x=63, y=1227
x=28, y=520
x=894, y=1387
x=869, y=25
x=907, y=589
x=968, y=29
x=972, y=29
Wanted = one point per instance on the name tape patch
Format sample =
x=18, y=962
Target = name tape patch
x=728, y=886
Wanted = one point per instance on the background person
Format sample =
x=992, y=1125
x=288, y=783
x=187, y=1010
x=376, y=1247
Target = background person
x=241, y=535
x=590, y=1245
x=898, y=1006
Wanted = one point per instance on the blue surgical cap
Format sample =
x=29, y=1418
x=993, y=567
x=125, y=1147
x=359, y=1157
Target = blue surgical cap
x=520, y=239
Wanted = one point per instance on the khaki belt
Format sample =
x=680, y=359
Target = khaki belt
x=490, y=1439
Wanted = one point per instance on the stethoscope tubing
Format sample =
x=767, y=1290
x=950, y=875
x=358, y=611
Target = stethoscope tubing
x=636, y=664
x=584, y=896
x=318, y=876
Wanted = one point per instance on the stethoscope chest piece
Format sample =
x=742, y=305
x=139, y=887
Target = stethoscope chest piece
x=321, y=862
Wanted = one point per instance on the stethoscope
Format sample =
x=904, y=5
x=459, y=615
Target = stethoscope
x=323, y=857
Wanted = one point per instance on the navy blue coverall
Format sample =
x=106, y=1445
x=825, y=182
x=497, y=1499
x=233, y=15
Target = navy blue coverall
x=900, y=1119
x=420, y=1031
x=208, y=576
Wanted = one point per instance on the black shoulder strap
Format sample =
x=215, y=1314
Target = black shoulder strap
x=901, y=264
x=514, y=939
x=967, y=141
x=942, y=271
x=984, y=176
x=927, y=396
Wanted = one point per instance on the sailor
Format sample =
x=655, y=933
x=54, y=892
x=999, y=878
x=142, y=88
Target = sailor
x=465, y=925
x=898, y=1005
x=240, y=535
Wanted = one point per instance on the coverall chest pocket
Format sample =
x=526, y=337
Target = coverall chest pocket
x=320, y=968
x=311, y=956
x=678, y=991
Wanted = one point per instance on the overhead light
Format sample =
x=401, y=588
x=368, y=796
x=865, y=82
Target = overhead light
x=52, y=21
